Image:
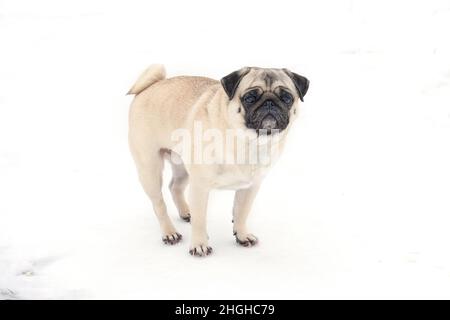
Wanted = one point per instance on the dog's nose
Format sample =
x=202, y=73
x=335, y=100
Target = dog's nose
x=269, y=103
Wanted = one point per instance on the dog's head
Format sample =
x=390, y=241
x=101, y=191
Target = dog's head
x=266, y=98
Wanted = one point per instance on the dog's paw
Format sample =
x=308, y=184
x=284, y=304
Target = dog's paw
x=200, y=250
x=172, y=238
x=246, y=239
x=186, y=217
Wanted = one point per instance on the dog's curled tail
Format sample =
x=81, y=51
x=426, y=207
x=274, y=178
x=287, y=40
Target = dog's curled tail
x=152, y=74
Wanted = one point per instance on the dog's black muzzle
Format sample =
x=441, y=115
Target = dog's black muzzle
x=267, y=118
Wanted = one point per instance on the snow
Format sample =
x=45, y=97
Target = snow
x=357, y=207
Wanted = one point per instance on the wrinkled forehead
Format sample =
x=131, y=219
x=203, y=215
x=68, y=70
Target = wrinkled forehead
x=267, y=79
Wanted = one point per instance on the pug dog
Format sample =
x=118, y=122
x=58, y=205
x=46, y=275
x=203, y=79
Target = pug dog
x=260, y=103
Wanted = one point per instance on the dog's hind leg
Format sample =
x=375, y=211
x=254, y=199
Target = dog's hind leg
x=177, y=186
x=150, y=167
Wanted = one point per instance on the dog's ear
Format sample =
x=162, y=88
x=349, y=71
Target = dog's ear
x=231, y=81
x=300, y=82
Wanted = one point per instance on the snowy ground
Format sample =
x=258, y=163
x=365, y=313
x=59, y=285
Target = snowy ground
x=358, y=206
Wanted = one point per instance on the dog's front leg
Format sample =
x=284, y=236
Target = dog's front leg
x=243, y=201
x=198, y=202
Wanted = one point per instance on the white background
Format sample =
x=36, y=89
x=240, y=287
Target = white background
x=358, y=206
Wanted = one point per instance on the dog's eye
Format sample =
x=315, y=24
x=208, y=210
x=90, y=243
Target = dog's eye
x=286, y=97
x=250, y=98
